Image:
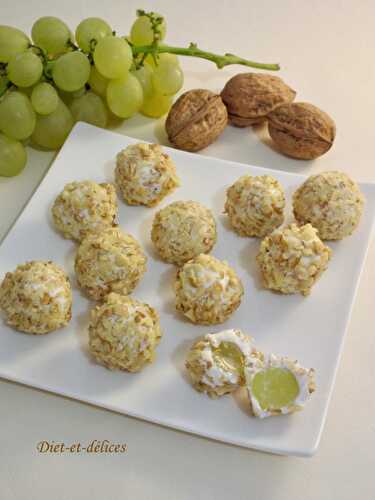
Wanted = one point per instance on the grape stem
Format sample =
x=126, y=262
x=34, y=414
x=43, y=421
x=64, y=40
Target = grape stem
x=193, y=51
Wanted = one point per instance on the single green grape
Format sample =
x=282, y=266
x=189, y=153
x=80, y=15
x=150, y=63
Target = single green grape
x=113, y=57
x=167, y=77
x=52, y=130
x=17, y=116
x=44, y=98
x=12, y=156
x=92, y=28
x=51, y=34
x=230, y=357
x=141, y=31
x=275, y=388
x=164, y=57
x=89, y=108
x=156, y=106
x=144, y=75
x=98, y=82
x=12, y=42
x=25, y=69
x=124, y=96
x=71, y=71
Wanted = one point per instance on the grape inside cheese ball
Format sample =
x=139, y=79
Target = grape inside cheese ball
x=183, y=230
x=36, y=298
x=292, y=259
x=124, y=333
x=216, y=362
x=255, y=205
x=331, y=202
x=208, y=290
x=278, y=385
x=109, y=261
x=84, y=207
x=145, y=174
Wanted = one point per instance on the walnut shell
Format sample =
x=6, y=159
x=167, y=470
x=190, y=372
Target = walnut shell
x=196, y=119
x=301, y=130
x=249, y=97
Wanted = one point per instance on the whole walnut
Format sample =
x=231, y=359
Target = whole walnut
x=301, y=130
x=196, y=119
x=249, y=97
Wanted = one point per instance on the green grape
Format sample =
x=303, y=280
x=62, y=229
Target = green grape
x=113, y=57
x=98, y=82
x=141, y=31
x=125, y=96
x=51, y=34
x=144, y=75
x=162, y=58
x=12, y=156
x=52, y=130
x=12, y=42
x=167, y=77
x=17, y=116
x=92, y=28
x=71, y=71
x=44, y=98
x=275, y=388
x=89, y=108
x=157, y=105
x=25, y=69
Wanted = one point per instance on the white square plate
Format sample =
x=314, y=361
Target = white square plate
x=310, y=329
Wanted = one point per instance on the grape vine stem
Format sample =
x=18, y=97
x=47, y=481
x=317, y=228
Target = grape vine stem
x=193, y=51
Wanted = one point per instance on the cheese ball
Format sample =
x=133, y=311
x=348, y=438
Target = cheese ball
x=36, y=298
x=145, y=174
x=123, y=333
x=207, y=290
x=216, y=363
x=292, y=259
x=255, y=205
x=183, y=230
x=278, y=385
x=110, y=261
x=331, y=202
x=84, y=207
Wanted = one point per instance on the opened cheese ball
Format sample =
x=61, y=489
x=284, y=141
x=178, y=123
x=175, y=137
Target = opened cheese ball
x=84, y=207
x=216, y=363
x=208, y=290
x=123, y=333
x=36, y=297
x=292, y=259
x=145, y=174
x=331, y=202
x=183, y=230
x=278, y=385
x=109, y=261
x=255, y=205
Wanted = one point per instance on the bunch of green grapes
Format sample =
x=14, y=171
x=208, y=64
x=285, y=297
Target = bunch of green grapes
x=57, y=79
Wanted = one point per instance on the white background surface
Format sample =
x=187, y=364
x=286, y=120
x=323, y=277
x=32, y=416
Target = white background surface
x=327, y=54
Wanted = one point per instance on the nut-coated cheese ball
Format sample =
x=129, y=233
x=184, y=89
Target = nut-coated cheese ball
x=292, y=259
x=109, y=261
x=84, y=207
x=331, y=202
x=216, y=362
x=255, y=205
x=123, y=333
x=36, y=297
x=145, y=174
x=183, y=230
x=278, y=385
x=208, y=290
